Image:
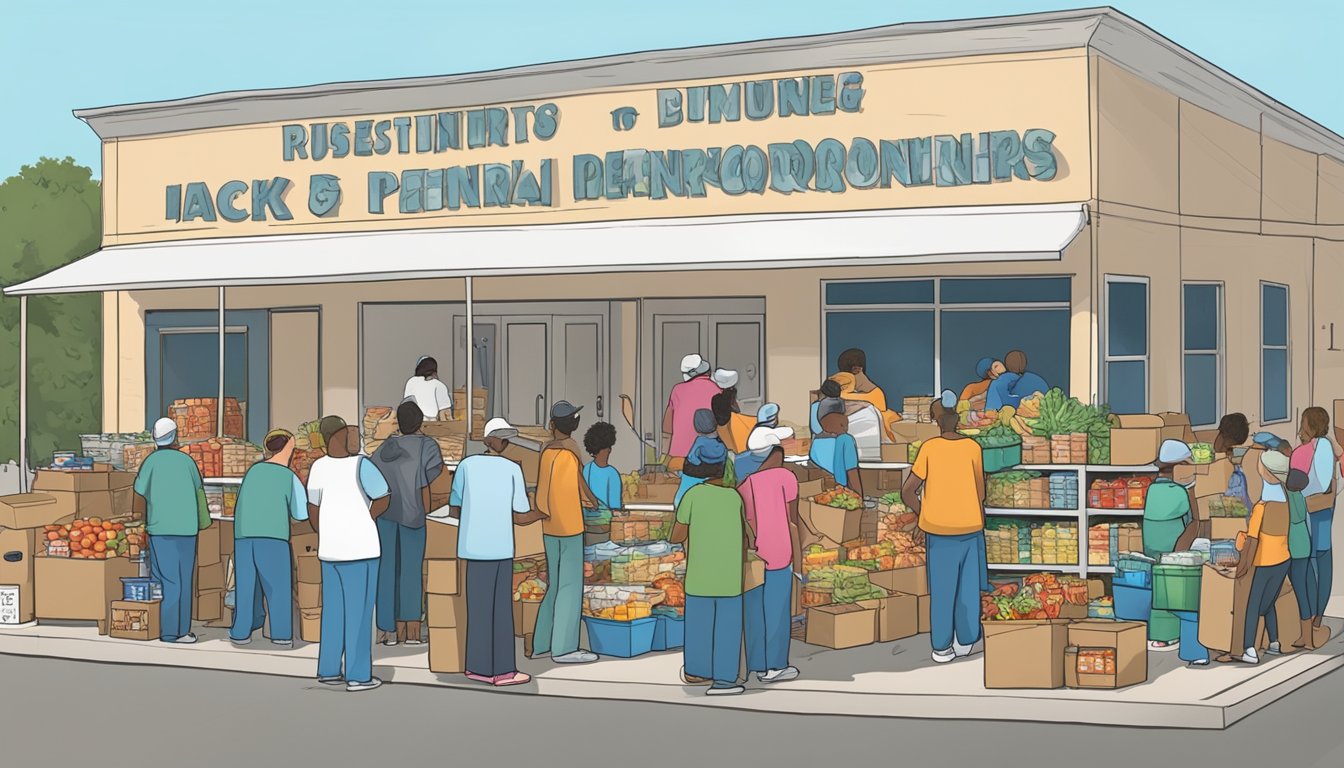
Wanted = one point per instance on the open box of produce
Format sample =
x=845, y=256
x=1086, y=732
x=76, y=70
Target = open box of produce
x=1000, y=446
x=847, y=584
x=1038, y=596
x=641, y=527
x=620, y=602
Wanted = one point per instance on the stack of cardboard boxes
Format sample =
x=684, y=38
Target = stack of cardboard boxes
x=208, y=601
x=22, y=517
x=446, y=604
x=1055, y=653
x=307, y=585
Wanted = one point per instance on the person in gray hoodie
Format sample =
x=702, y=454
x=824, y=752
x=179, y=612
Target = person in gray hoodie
x=410, y=461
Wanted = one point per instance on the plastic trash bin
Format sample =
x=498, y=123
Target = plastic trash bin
x=1176, y=587
x=1190, y=650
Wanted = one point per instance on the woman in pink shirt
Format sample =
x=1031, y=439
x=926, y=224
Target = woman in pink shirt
x=696, y=391
x=770, y=499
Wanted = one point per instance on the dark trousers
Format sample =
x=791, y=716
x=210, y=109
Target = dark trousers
x=490, y=645
x=1323, y=564
x=1303, y=578
x=1265, y=587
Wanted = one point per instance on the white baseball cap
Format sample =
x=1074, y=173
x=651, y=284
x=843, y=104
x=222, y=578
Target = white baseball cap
x=693, y=365
x=165, y=431
x=500, y=428
x=725, y=378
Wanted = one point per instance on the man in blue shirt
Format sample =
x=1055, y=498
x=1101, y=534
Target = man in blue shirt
x=489, y=497
x=1017, y=383
x=834, y=449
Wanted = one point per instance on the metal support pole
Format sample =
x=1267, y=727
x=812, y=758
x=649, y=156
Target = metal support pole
x=23, y=394
x=219, y=404
x=471, y=368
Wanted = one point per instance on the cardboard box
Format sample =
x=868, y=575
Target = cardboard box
x=1025, y=654
x=448, y=650
x=925, y=604
x=1226, y=527
x=1212, y=479
x=1176, y=426
x=911, y=432
x=307, y=568
x=310, y=625
x=444, y=577
x=753, y=573
x=440, y=539
x=908, y=581
x=17, y=548
x=78, y=590
x=207, y=546
x=308, y=596
x=841, y=525
x=101, y=478
x=1222, y=611
x=31, y=510
x=1250, y=466
x=449, y=611
x=225, y=538
x=302, y=539
x=209, y=577
x=841, y=626
x=208, y=605
x=526, y=458
x=524, y=617
x=897, y=616
x=1136, y=440
x=896, y=453
x=527, y=541
x=134, y=620
x=72, y=504
x=1129, y=640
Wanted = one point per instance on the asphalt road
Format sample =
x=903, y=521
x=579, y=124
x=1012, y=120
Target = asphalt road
x=62, y=713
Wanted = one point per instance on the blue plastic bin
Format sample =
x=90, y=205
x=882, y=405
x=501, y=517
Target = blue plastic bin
x=669, y=632
x=141, y=589
x=620, y=639
x=1132, y=603
x=1190, y=649
x=1140, y=579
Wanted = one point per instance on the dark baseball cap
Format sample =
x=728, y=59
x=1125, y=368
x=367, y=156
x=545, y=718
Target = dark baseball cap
x=329, y=426
x=564, y=409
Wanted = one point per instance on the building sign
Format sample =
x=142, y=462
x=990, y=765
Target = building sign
x=450, y=181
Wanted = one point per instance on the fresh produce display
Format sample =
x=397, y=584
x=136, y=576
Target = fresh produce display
x=900, y=551
x=1011, y=541
x=1119, y=492
x=1227, y=506
x=848, y=584
x=198, y=417
x=94, y=539
x=817, y=556
x=639, y=566
x=998, y=436
x=620, y=603
x=1096, y=661
x=1201, y=453
x=1012, y=490
x=1061, y=415
x=530, y=589
x=673, y=589
x=892, y=525
x=1038, y=596
x=840, y=498
x=630, y=485
x=109, y=448
x=633, y=528
x=1008, y=603
x=309, y=436
x=1101, y=608
x=822, y=593
x=1107, y=541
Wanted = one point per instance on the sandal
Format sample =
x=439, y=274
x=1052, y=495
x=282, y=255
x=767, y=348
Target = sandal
x=512, y=678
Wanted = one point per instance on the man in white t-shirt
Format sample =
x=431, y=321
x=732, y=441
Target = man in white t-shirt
x=346, y=493
x=428, y=392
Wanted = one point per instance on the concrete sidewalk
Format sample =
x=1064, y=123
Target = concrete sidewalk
x=884, y=680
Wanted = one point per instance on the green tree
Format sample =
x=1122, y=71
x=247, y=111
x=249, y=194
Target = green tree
x=50, y=215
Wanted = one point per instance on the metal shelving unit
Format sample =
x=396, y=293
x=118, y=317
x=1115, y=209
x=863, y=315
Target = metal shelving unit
x=1034, y=567
x=1010, y=512
x=222, y=480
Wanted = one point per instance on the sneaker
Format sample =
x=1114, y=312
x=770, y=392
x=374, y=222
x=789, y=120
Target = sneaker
x=283, y=643
x=779, y=675
x=693, y=680
x=1250, y=656
x=334, y=680
x=390, y=641
x=577, y=657
x=724, y=690
x=1200, y=663
x=480, y=678
x=1158, y=645
x=368, y=685
x=1274, y=649
x=414, y=641
x=943, y=657
x=241, y=643
x=961, y=651
x=187, y=639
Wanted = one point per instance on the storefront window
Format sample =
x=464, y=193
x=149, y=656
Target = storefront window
x=922, y=336
x=1274, y=352
x=1126, y=345
x=1202, y=343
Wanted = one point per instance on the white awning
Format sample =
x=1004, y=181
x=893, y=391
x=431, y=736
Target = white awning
x=867, y=238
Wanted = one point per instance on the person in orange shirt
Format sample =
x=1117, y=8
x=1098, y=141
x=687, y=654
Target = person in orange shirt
x=976, y=393
x=734, y=427
x=561, y=496
x=1265, y=553
x=855, y=385
x=946, y=489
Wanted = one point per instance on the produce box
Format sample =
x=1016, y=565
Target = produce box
x=1135, y=439
x=69, y=589
x=1106, y=654
x=208, y=545
x=907, y=581
x=1025, y=654
x=17, y=548
x=1226, y=527
x=31, y=510
x=448, y=650
x=925, y=605
x=841, y=626
x=895, y=453
x=998, y=459
x=641, y=527
x=138, y=620
x=897, y=616
x=835, y=514
x=209, y=577
x=448, y=611
x=620, y=639
x=1035, y=450
x=1176, y=426
x=133, y=455
x=1213, y=478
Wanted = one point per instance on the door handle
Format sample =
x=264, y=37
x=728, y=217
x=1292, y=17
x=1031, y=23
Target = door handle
x=540, y=410
x=599, y=406
x=751, y=372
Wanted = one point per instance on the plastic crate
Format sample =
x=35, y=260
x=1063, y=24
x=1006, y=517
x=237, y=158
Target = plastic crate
x=1132, y=603
x=669, y=632
x=1176, y=587
x=141, y=589
x=1139, y=579
x=999, y=459
x=620, y=639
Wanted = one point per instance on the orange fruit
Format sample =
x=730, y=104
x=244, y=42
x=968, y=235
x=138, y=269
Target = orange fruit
x=108, y=525
x=95, y=521
x=53, y=535
x=102, y=535
x=88, y=542
x=100, y=546
x=86, y=530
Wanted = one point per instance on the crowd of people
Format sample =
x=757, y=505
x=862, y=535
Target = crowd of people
x=736, y=497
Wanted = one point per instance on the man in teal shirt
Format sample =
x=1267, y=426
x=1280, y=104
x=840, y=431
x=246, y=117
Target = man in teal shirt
x=169, y=491
x=271, y=495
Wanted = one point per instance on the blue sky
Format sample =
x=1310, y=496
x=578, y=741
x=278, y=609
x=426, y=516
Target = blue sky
x=58, y=55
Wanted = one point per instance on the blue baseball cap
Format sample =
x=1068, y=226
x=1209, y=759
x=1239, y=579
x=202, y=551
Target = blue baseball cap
x=982, y=367
x=1269, y=440
x=768, y=414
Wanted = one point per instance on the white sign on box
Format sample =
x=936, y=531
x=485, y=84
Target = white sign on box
x=9, y=605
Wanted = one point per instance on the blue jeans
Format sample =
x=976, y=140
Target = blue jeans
x=557, y=631
x=401, y=588
x=347, y=620
x=172, y=560
x=1303, y=578
x=1323, y=563
x=956, y=574
x=261, y=567
x=767, y=621
x=713, y=638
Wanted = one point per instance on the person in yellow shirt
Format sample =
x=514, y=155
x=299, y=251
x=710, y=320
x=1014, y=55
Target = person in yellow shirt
x=561, y=496
x=946, y=489
x=1265, y=553
x=855, y=385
